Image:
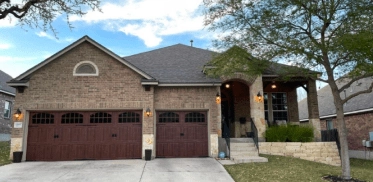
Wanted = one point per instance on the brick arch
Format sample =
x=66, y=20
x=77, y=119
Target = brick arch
x=240, y=77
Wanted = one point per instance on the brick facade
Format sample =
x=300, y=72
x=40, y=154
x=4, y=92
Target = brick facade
x=5, y=123
x=358, y=127
x=53, y=87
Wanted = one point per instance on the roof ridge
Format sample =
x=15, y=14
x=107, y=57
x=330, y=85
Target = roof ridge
x=166, y=48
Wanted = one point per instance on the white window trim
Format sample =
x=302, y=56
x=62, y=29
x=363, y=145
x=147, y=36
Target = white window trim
x=10, y=109
x=270, y=106
x=85, y=74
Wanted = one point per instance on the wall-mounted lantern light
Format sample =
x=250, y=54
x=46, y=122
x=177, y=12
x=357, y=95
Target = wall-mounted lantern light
x=258, y=98
x=273, y=86
x=18, y=114
x=148, y=113
x=227, y=85
x=218, y=98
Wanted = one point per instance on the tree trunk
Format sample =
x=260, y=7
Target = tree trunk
x=342, y=132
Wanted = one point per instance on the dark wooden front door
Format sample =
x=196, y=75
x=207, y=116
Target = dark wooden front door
x=182, y=134
x=60, y=136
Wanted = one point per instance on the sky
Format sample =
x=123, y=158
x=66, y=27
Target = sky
x=125, y=27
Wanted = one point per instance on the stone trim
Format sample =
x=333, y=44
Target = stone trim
x=322, y=152
x=85, y=74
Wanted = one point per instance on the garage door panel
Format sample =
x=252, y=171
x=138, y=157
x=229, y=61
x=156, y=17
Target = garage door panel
x=76, y=138
x=182, y=134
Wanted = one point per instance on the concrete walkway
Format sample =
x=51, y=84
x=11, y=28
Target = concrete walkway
x=188, y=169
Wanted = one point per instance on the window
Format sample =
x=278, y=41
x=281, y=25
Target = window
x=266, y=116
x=72, y=118
x=279, y=106
x=195, y=117
x=329, y=124
x=7, y=110
x=168, y=117
x=100, y=117
x=129, y=117
x=42, y=118
x=85, y=68
x=275, y=107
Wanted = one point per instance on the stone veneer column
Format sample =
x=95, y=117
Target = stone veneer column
x=148, y=125
x=16, y=140
x=313, y=109
x=257, y=109
x=293, y=112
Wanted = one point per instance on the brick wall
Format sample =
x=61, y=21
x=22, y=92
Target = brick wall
x=323, y=152
x=5, y=123
x=190, y=98
x=53, y=87
x=358, y=127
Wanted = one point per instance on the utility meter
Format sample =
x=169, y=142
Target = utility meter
x=368, y=144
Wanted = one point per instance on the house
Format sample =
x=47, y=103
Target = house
x=7, y=95
x=86, y=102
x=358, y=115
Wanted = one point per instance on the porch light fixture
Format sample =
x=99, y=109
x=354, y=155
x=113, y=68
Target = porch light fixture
x=273, y=86
x=227, y=85
x=218, y=98
x=148, y=113
x=17, y=114
x=259, y=98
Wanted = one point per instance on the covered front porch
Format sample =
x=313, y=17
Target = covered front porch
x=264, y=101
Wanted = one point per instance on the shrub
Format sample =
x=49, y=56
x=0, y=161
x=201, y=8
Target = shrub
x=289, y=133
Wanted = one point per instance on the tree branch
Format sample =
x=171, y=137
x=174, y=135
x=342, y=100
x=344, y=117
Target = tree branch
x=352, y=81
x=369, y=90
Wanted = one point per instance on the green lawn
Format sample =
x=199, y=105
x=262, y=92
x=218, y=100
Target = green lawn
x=287, y=169
x=4, y=153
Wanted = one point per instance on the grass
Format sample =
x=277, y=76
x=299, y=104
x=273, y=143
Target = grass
x=287, y=169
x=4, y=153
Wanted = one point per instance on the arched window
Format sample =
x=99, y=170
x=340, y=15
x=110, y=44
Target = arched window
x=85, y=68
x=100, y=117
x=72, y=118
x=129, y=117
x=195, y=117
x=42, y=118
x=168, y=117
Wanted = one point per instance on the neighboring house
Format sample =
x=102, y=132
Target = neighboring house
x=358, y=115
x=7, y=95
x=85, y=102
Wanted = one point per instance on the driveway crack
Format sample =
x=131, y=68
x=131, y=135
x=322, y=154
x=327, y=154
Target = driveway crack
x=143, y=169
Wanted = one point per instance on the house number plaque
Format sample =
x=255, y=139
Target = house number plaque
x=17, y=124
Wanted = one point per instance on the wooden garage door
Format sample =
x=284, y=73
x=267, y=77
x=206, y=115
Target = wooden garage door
x=182, y=134
x=60, y=136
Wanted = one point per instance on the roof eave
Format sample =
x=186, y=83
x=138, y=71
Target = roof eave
x=6, y=92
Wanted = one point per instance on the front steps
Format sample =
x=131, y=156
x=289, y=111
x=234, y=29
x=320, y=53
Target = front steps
x=243, y=150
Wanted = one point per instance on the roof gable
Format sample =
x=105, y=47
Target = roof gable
x=73, y=45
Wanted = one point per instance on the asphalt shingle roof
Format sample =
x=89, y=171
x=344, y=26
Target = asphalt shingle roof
x=3, y=86
x=326, y=102
x=175, y=64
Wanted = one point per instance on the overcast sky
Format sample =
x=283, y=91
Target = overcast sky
x=125, y=27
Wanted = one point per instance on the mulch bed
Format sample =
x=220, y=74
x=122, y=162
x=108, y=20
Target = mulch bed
x=339, y=179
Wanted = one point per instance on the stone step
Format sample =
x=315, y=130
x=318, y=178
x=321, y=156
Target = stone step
x=238, y=160
x=235, y=145
x=246, y=154
x=241, y=140
x=243, y=149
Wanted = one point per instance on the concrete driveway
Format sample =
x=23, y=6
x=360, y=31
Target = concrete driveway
x=188, y=169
